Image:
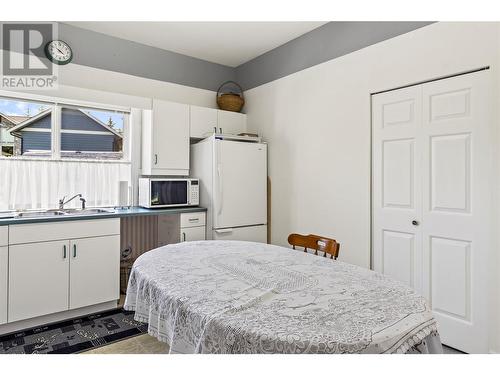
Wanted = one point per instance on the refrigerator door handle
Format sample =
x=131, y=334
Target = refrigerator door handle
x=219, y=174
x=227, y=230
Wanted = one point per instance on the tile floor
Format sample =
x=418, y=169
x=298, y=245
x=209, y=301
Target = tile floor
x=143, y=344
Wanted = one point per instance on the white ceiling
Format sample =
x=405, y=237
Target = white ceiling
x=227, y=43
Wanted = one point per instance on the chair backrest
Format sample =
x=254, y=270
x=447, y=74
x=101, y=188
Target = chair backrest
x=318, y=243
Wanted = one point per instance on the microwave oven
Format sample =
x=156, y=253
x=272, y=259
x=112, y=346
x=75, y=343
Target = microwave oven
x=168, y=192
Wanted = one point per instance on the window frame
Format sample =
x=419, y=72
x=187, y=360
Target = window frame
x=56, y=105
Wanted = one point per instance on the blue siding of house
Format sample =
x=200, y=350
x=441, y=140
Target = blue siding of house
x=86, y=142
x=71, y=120
x=76, y=120
x=43, y=123
x=36, y=141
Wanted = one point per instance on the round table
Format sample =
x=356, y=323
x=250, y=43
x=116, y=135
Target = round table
x=245, y=297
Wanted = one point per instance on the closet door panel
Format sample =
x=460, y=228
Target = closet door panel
x=456, y=209
x=396, y=185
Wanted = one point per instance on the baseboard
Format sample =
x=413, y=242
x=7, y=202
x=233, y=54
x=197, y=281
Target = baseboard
x=52, y=318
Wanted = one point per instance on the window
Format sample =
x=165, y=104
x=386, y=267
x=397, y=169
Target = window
x=92, y=134
x=52, y=149
x=26, y=128
x=58, y=131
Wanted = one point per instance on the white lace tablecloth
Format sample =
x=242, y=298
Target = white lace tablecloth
x=245, y=297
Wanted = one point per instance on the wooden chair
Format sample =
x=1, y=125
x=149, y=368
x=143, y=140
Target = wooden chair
x=318, y=243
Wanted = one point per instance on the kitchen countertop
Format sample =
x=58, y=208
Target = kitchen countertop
x=133, y=211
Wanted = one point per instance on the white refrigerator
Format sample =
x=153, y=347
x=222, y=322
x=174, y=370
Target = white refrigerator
x=233, y=187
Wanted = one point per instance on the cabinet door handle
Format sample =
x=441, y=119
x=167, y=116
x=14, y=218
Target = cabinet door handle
x=220, y=130
x=215, y=129
x=183, y=237
x=74, y=250
x=64, y=251
x=156, y=158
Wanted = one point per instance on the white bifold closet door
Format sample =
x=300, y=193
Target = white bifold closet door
x=431, y=196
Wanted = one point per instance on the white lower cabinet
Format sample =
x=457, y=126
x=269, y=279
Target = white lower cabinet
x=4, y=258
x=193, y=234
x=94, y=275
x=193, y=226
x=55, y=267
x=38, y=279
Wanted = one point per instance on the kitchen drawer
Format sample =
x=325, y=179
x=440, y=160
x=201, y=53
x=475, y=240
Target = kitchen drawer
x=194, y=219
x=40, y=232
x=4, y=235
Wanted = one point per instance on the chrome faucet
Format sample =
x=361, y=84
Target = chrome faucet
x=62, y=202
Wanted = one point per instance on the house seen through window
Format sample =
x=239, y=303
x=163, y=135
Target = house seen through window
x=27, y=129
x=91, y=133
x=13, y=115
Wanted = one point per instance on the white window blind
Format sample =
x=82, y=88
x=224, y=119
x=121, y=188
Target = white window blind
x=40, y=183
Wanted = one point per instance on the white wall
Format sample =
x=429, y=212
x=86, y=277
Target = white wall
x=317, y=123
x=98, y=79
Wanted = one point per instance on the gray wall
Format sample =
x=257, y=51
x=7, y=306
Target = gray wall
x=327, y=42
x=110, y=53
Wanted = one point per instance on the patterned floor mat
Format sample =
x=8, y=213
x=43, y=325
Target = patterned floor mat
x=74, y=335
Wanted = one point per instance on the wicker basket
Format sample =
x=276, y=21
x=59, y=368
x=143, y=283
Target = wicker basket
x=230, y=101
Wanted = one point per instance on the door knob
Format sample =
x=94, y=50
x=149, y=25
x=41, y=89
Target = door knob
x=415, y=222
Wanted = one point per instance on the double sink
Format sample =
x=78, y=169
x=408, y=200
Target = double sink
x=63, y=212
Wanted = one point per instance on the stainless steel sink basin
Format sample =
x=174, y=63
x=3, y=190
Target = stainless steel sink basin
x=87, y=211
x=40, y=213
x=65, y=212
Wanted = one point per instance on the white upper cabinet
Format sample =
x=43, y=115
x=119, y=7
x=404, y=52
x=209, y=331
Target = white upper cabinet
x=166, y=130
x=231, y=122
x=203, y=121
x=165, y=142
